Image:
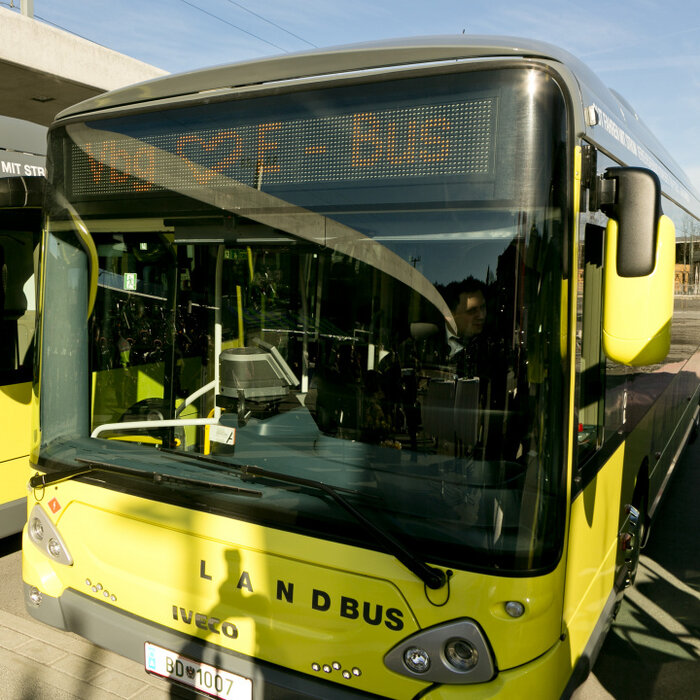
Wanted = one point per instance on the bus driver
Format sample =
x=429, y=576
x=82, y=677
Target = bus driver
x=465, y=352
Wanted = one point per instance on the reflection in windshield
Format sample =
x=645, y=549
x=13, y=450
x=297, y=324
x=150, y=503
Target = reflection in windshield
x=407, y=353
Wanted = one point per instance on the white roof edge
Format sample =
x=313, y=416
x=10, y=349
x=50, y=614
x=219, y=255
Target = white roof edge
x=327, y=61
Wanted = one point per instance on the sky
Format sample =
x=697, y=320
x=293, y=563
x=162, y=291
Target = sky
x=647, y=50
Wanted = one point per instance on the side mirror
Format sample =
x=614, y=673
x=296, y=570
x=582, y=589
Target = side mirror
x=639, y=266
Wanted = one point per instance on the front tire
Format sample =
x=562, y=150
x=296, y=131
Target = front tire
x=635, y=534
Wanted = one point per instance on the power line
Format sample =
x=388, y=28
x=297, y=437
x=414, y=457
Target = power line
x=65, y=29
x=269, y=21
x=235, y=26
x=206, y=12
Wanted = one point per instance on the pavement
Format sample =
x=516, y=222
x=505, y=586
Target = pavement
x=38, y=662
x=653, y=649
x=651, y=652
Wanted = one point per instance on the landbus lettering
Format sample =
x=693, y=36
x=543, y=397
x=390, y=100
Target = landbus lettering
x=286, y=591
x=320, y=600
x=244, y=582
x=352, y=609
x=203, y=570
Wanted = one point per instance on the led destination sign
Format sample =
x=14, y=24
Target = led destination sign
x=444, y=139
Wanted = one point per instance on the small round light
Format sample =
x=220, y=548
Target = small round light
x=514, y=608
x=416, y=660
x=327, y=668
x=88, y=582
x=54, y=547
x=315, y=666
x=356, y=672
x=347, y=675
x=461, y=655
x=336, y=666
x=36, y=530
x=113, y=598
x=35, y=596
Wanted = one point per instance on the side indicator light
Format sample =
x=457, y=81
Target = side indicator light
x=515, y=608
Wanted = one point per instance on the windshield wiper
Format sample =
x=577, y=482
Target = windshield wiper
x=42, y=480
x=432, y=577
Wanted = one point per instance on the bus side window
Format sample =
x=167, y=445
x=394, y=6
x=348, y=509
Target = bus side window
x=591, y=360
x=16, y=307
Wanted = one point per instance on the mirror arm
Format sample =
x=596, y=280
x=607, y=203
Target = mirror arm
x=604, y=196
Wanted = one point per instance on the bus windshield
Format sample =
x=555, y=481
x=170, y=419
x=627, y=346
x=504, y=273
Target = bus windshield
x=358, y=284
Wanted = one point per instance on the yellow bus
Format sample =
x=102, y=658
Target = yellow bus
x=22, y=163
x=361, y=371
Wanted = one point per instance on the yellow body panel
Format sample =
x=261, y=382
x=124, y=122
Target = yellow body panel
x=292, y=600
x=592, y=553
x=637, y=311
x=15, y=415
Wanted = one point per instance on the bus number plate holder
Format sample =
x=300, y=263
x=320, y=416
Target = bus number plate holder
x=195, y=674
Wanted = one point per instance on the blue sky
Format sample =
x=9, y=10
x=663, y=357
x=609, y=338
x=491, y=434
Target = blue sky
x=648, y=50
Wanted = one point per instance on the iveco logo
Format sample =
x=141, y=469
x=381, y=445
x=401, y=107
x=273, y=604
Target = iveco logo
x=204, y=622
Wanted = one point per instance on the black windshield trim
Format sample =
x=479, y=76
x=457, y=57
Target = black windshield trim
x=156, y=477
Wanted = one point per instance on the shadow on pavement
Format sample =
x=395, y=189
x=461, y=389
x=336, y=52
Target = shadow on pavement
x=653, y=648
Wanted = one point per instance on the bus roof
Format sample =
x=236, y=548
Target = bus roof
x=622, y=130
x=327, y=61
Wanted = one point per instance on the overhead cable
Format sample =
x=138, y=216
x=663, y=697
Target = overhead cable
x=269, y=21
x=235, y=26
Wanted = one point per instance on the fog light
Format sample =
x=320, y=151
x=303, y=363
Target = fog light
x=35, y=596
x=461, y=654
x=36, y=530
x=417, y=660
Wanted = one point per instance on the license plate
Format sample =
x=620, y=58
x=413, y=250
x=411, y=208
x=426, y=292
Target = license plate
x=195, y=674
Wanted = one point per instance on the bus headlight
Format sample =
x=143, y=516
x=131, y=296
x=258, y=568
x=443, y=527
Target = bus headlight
x=45, y=536
x=461, y=654
x=451, y=653
x=36, y=529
